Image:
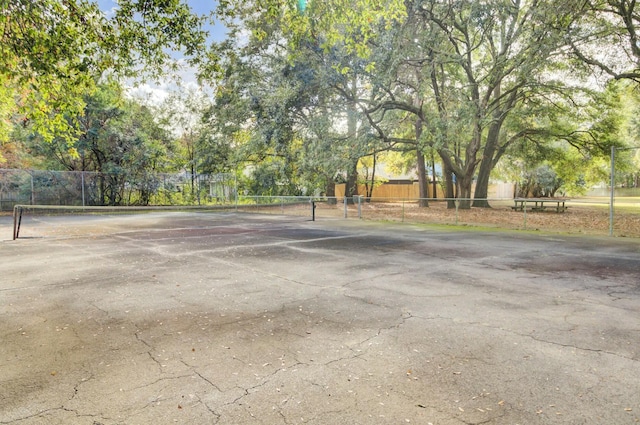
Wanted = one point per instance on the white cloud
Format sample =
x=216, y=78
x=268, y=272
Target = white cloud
x=151, y=94
x=154, y=93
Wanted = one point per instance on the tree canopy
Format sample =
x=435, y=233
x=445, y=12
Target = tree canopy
x=53, y=52
x=467, y=80
x=308, y=93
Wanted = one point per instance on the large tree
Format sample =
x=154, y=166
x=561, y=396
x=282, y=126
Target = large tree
x=120, y=141
x=478, y=77
x=463, y=68
x=295, y=107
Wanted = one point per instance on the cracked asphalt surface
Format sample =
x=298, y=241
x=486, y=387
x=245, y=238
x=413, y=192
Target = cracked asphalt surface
x=246, y=319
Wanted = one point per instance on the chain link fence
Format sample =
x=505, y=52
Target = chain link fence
x=586, y=215
x=84, y=188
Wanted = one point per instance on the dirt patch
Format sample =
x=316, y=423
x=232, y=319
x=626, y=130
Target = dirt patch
x=585, y=219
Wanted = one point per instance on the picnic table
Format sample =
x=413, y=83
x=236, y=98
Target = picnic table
x=540, y=204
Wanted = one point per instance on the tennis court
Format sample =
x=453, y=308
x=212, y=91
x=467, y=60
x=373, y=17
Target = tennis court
x=228, y=318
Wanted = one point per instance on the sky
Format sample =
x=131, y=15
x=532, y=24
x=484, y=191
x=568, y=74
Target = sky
x=155, y=93
x=201, y=7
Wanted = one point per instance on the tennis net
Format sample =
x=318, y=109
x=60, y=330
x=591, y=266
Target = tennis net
x=71, y=213
x=64, y=219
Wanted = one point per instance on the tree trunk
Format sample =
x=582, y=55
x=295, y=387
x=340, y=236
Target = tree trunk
x=372, y=181
x=434, y=195
x=486, y=166
x=351, y=188
x=464, y=194
x=462, y=184
x=448, y=181
x=482, y=185
x=330, y=191
x=466, y=173
x=101, y=190
x=423, y=189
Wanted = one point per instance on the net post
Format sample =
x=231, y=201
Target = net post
x=17, y=219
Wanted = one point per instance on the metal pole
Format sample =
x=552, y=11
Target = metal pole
x=613, y=182
x=198, y=183
x=33, y=195
x=457, y=202
x=360, y=207
x=17, y=220
x=235, y=182
x=82, y=179
x=345, y=205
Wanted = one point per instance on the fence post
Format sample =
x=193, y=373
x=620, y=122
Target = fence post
x=524, y=213
x=457, y=203
x=345, y=205
x=613, y=188
x=82, y=183
x=360, y=207
x=33, y=195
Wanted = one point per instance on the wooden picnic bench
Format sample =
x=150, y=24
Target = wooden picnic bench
x=540, y=204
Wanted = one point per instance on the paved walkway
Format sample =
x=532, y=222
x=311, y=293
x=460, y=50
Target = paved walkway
x=247, y=319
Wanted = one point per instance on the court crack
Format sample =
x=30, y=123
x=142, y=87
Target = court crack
x=247, y=391
x=150, y=349
x=358, y=353
x=523, y=335
x=54, y=409
x=216, y=416
x=207, y=380
x=590, y=350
